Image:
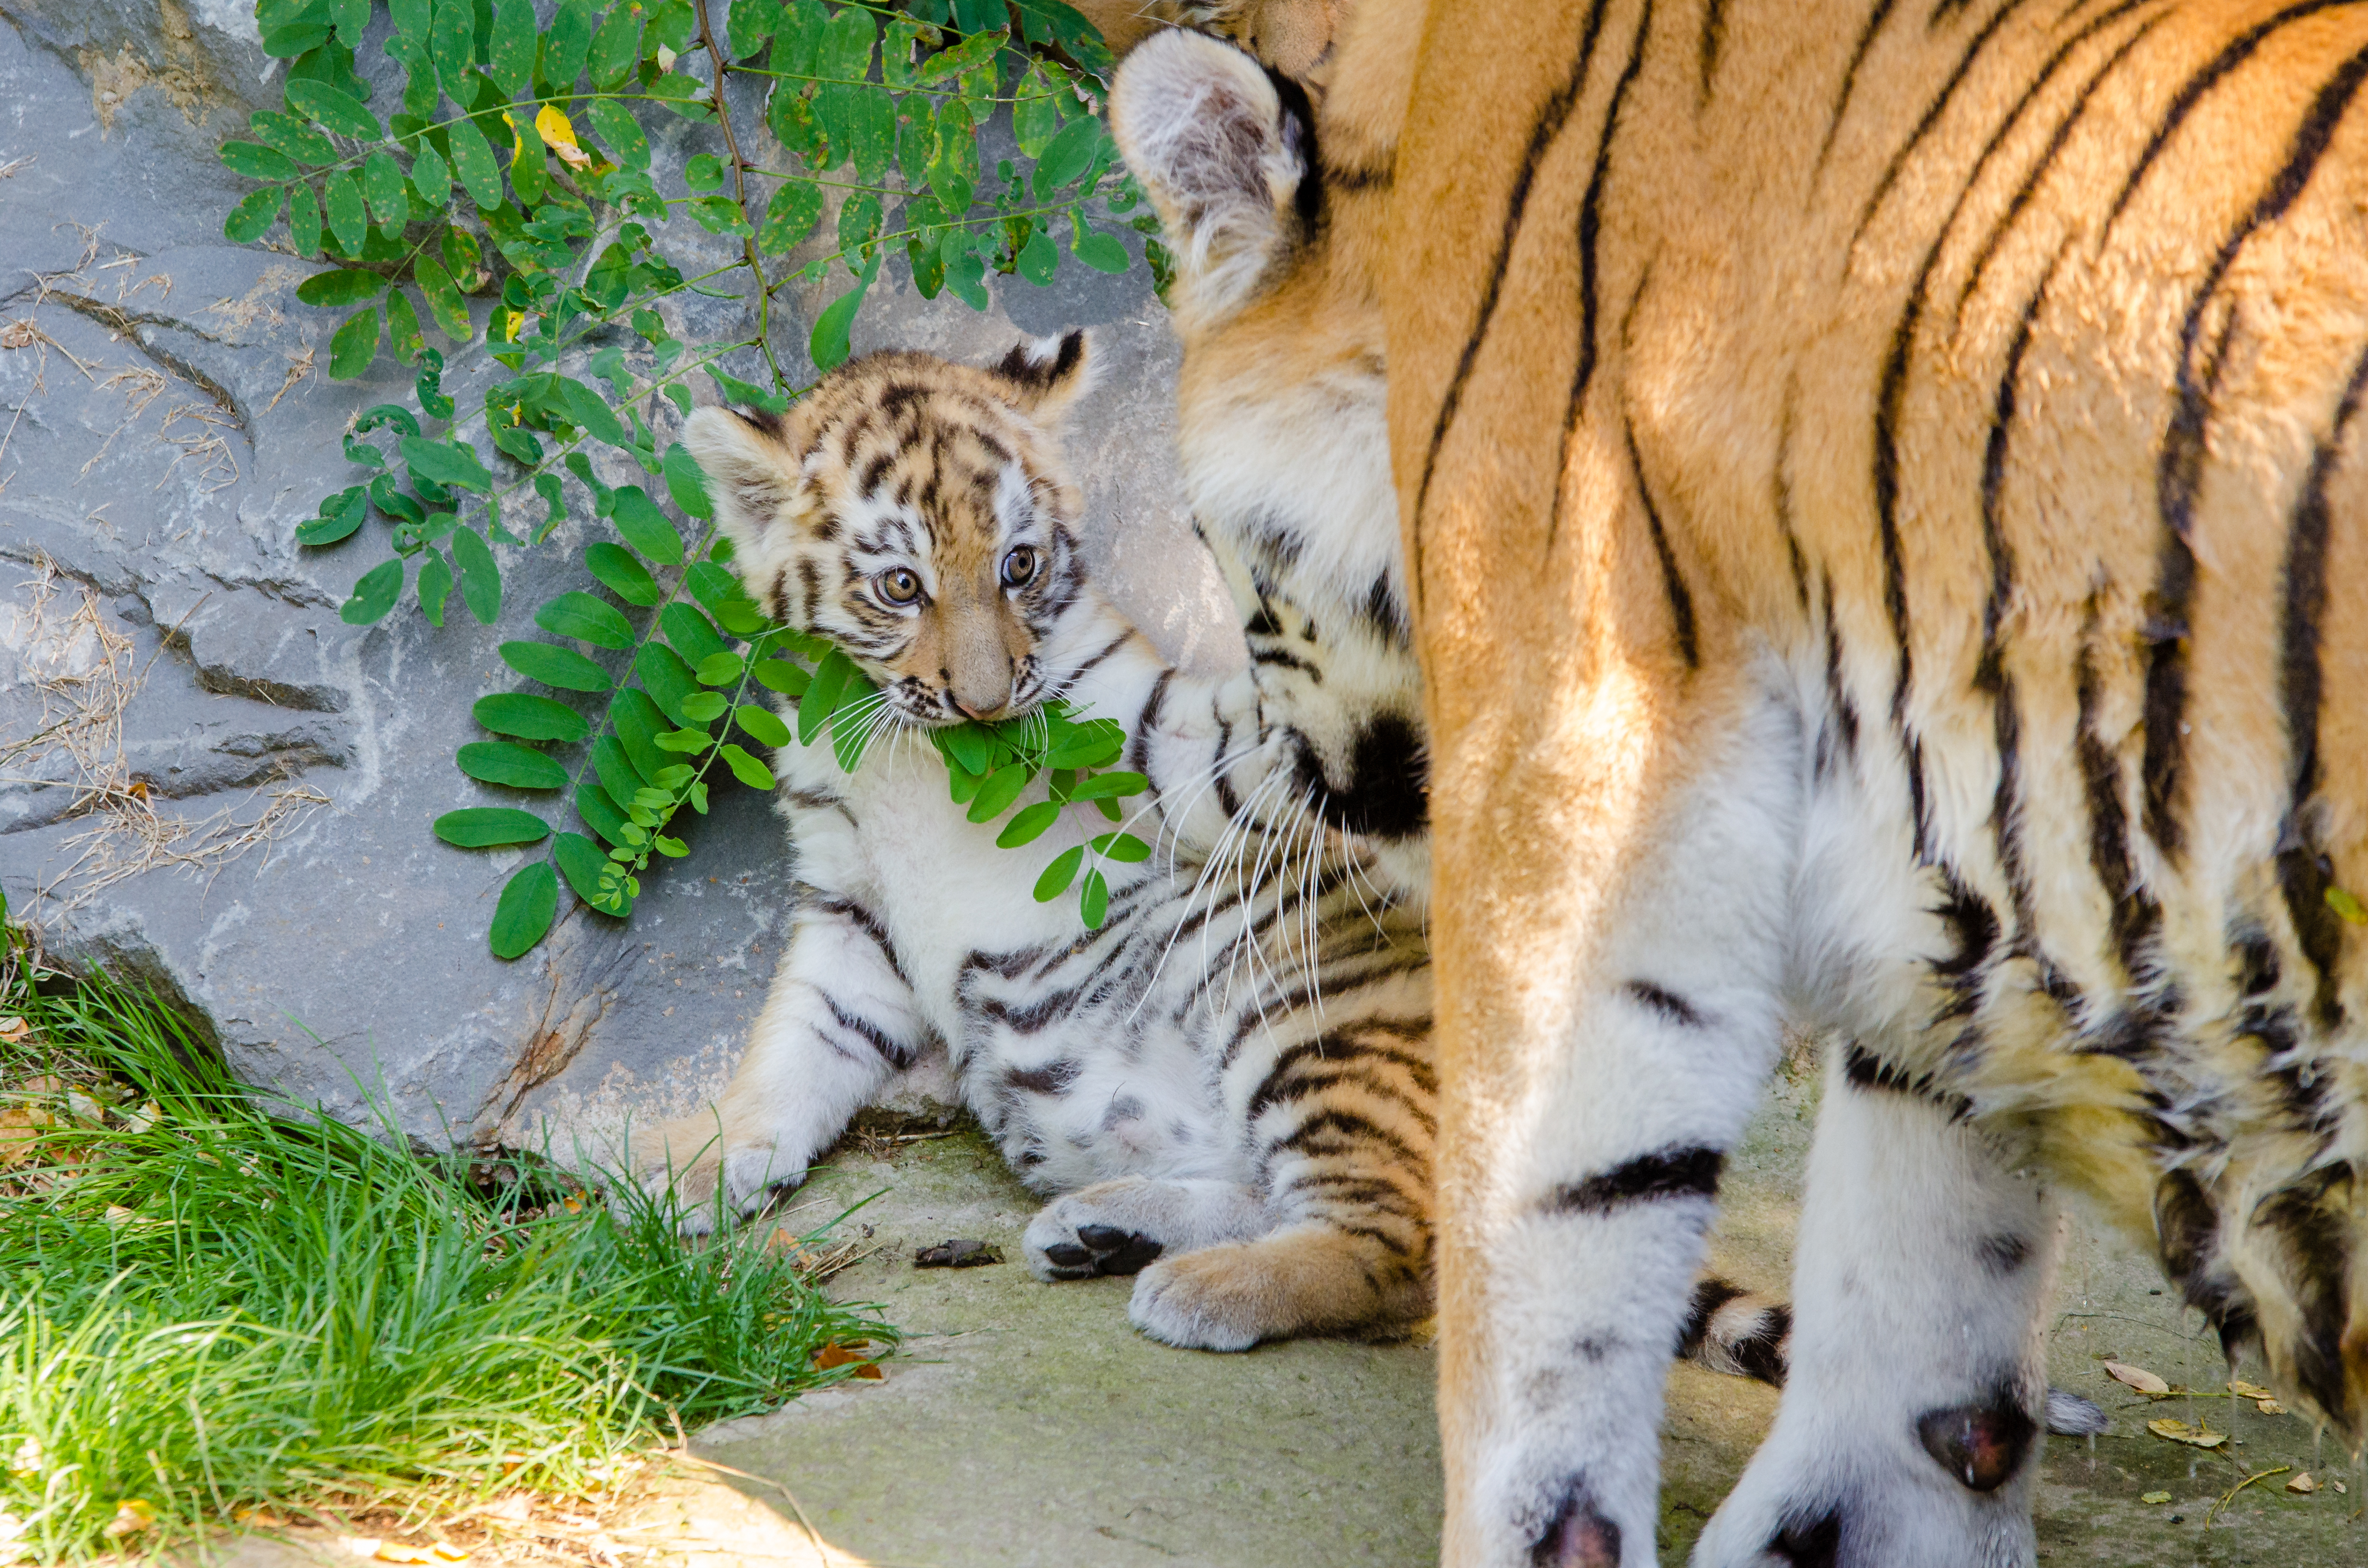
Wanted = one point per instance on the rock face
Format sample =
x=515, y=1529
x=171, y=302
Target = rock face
x=207, y=779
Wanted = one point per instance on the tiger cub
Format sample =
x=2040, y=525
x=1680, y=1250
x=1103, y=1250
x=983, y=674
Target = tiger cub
x=1228, y=1085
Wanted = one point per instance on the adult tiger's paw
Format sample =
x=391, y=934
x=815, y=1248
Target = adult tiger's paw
x=716, y=1170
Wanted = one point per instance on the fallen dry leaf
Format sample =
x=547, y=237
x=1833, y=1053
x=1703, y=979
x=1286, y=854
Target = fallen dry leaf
x=395, y=1552
x=443, y=1553
x=131, y=1516
x=2244, y=1389
x=831, y=1355
x=12, y=1029
x=17, y=335
x=2178, y=1431
x=954, y=1253
x=2138, y=1377
x=2340, y=1489
x=2154, y=1498
x=2301, y=1483
x=117, y=1214
x=2269, y=1407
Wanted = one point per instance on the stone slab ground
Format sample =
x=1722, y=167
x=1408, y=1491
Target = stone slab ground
x=1026, y=1425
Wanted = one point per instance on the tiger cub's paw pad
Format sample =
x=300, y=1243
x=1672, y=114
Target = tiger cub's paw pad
x=1061, y=1248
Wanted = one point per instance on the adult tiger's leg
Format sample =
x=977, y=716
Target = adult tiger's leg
x=1910, y=1427
x=1609, y=1014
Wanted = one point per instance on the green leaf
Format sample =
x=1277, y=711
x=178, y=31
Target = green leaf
x=1059, y=874
x=1039, y=259
x=620, y=133
x=1123, y=848
x=374, y=595
x=483, y=827
x=597, y=807
x=509, y=53
x=968, y=743
x=616, y=48
x=304, y=221
x=256, y=160
x=445, y=462
x=1000, y=788
x=341, y=195
x=479, y=576
x=704, y=707
x=1107, y=786
x=692, y=634
x=704, y=172
x=555, y=665
x=953, y=157
x=591, y=411
x=1093, y=900
x=1036, y=110
x=687, y=482
x=444, y=301
x=762, y=724
x=664, y=676
x=751, y=23
x=622, y=575
x=827, y=346
x=692, y=743
x=530, y=718
x=350, y=18
x=435, y=585
x=348, y=286
x=410, y=19
x=590, y=619
x=719, y=669
x=254, y=214
x=528, y=903
x=1028, y=825
x=403, y=336
x=788, y=217
x=851, y=735
x=382, y=185
x=293, y=137
x=1099, y=251
x=340, y=515
x=746, y=768
x=510, y=764
x=2347, y=905
x=968, y=55
x=529, y=165
x=637, y=721
x=645, y=526
x=830, y=678
x=581, y=860
x=779, y=675
x=326, y=105
x=472, y=158
x=1067, y=156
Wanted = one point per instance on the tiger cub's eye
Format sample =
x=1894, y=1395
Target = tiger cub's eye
x=1020, y=567
x=898, y=585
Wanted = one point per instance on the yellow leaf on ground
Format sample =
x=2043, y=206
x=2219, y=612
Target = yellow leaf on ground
x=2301, y=1483
x=13, y=1029
x=444, y=1553
x=2138, y=1377
x=395, y=1552
x=2244, y=1389
x=2269, y=1407
x=2178, y=1431
x=2154, y=1497
x=131, y=1516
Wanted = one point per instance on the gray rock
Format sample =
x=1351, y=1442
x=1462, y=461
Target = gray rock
x=210, y=782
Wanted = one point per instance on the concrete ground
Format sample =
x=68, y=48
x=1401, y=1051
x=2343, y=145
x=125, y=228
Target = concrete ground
x=1026, y=1424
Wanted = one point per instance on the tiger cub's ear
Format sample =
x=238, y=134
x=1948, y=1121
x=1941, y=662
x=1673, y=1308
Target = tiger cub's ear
x=1224, y=150
x=753, y=479
x=1048, y=375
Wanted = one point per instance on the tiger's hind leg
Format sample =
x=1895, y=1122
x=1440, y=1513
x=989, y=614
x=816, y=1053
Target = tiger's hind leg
x=1341, y=1126
x=1910, y=1427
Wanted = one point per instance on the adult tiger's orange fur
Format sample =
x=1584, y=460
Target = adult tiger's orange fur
x=1884, y=505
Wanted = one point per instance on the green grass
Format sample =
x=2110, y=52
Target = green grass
x=206, y=1308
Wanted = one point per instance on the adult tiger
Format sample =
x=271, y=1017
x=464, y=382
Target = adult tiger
x=1887, y=537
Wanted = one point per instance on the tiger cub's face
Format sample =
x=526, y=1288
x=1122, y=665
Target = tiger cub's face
x=917, y=513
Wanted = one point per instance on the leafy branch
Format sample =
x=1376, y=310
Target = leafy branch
x=508, y=196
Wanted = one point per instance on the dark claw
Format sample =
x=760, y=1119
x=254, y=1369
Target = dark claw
x=1068, y=1255
x=1117, y=1251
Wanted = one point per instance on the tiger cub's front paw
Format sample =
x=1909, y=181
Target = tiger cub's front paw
x=1071, y=1238
x=1303, y=1279
x=714, y=1170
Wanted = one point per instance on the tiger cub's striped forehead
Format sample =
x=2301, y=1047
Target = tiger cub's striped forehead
x=930, y=470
